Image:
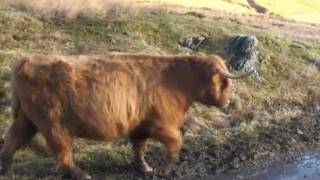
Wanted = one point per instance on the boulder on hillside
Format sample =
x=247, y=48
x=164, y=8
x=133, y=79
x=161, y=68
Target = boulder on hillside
x=243, y=54
x=317, y=62
x=192, y=43
x=241, y=50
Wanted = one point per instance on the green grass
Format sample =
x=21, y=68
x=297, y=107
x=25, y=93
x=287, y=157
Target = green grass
x=290, y=85
x=301, y=10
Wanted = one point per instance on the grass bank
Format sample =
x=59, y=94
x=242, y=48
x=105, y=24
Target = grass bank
x=278, y=115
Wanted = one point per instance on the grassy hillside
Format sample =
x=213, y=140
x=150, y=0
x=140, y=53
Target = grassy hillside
x=240, y=6
x=302, y=10
x=263, y=119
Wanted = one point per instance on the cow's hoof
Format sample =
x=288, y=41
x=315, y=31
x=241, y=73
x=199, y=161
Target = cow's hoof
x=84, y=177
x=147, y=169
x=78, y=174
x=144, y=167
x=75, y=173
x=166, y=171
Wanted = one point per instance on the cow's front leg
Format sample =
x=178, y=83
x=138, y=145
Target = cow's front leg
x=172, y=139
x=139, y=151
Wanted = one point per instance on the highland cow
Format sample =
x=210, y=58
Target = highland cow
x=105, y=98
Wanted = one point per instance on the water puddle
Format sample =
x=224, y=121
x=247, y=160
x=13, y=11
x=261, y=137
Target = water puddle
x=305, y=167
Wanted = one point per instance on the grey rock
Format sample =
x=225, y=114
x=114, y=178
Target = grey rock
x=317, y=62
x=192, y=43
x=243, y=54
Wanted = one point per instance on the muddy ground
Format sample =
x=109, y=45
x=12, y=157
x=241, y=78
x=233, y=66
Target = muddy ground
x=203, y=155
x=296, y=167
x=278, y=142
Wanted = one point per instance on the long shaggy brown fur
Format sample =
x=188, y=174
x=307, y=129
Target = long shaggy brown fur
x=104, y=98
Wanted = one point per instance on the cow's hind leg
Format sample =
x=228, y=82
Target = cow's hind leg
x=139, y=144
x=60, y=143
x=20, y=133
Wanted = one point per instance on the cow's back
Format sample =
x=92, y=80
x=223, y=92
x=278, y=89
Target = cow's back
x=92, y=98
x=115, y=95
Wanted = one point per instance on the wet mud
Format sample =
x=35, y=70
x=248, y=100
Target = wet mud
x=301, y=167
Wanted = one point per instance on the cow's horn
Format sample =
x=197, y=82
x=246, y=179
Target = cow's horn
x=226, y=74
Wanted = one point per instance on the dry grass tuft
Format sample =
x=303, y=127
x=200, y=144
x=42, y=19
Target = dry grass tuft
x=74, y=8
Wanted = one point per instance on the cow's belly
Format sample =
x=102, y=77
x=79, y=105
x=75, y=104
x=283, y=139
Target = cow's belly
x=93, y=122
x=95, y=128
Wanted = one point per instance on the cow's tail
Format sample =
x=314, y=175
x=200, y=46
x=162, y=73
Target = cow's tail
x=15, y=104
x=16, y=69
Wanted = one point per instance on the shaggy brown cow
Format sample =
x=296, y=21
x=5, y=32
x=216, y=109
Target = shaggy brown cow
x=104, y=98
